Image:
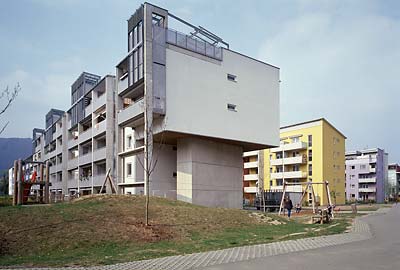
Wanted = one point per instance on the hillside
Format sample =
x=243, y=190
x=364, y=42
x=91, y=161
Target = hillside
x=12, y=149
x=105, y=229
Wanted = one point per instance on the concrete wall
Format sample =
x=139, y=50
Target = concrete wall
x=209, y=173
x=198, y=89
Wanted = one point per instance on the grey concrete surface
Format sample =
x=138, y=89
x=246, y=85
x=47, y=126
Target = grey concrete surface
x=381, y=251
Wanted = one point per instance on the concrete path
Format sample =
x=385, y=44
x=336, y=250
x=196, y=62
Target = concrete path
x=319, y=251
x=380, y=251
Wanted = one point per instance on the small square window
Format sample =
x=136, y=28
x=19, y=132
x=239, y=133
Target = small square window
x=231, y=107
x=231, y=77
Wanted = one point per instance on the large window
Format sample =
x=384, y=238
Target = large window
x=135, y=47
x=309, y=140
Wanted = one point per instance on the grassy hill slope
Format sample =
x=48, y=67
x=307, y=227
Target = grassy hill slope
x=109, y=229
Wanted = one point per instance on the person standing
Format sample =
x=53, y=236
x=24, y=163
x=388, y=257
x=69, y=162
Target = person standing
x=288, y=206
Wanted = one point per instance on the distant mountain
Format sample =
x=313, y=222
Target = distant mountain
x=12, y=149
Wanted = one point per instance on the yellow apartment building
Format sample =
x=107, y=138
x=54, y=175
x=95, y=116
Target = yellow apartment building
x=312, y=151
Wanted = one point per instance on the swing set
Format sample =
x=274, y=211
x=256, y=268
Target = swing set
x=309, y=186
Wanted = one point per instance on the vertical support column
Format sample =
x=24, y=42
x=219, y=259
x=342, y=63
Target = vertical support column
x=19, y=183
x=15, y=183
x=46, y=185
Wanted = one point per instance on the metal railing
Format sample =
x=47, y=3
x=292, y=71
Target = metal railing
x=199, y=46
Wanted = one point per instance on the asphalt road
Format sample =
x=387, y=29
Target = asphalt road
x=382, y=251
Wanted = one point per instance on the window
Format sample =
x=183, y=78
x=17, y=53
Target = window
x=270, y=183
x=353, y=195
x=310, y=169
x=309, y=140
x=231, y=107
x=309, y=155
x=129, y=144
x=231, y=77
x=295, y=139
x=353, y=167
x=129, y=169
x=296, y=168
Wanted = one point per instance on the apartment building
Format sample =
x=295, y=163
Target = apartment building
x=252, y=175
x=171, y=114
x=79, y=143
x=312, y=151
x=366, y=175
x=393, y=180
x=193, y=93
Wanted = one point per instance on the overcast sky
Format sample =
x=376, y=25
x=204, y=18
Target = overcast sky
x=338, y=59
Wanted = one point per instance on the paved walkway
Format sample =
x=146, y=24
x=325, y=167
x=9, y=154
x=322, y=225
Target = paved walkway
x=360, y=231
x=380, y=251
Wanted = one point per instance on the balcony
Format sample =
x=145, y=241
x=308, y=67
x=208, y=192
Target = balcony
x=85, y=135
x=131, y=113
x=289, y=188
x=290, y=160
x=99, y=154
x=72, y=163
x=289, y=175
x=248, y=165
x=55, y=168
x=367, y=180
x=250, y=154
x=72, y=143
x=367, y=190
x=290, y=147
x=250, y=189
x=99, y=128
x=372, y=170
x=85, y=159
x=250, y=177
x=98, y=180
x=123, y=83
x=99, y=101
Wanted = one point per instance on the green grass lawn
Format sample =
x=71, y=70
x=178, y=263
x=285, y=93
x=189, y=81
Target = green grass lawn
x=109, y=229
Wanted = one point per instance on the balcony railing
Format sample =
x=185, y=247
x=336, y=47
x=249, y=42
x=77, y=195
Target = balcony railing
x=253, y=164
x=131, y=113
x=367, y=190
x=99, y=101
x=99, y=128
x=289, y=188
x=72, y=163
x=194, y=45
x=290, y=147
x=290, y=160
x=250, y=189
x=123, y=83
x=289, y=175
x=250, y=154
x=85, y=136
x=99, y=154
x=85, y=159
x=367, y=180
x=250, y=177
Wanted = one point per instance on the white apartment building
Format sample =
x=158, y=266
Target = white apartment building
x=200, y=101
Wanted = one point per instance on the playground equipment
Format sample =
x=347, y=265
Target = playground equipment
x=25, y=176
x=309, y=186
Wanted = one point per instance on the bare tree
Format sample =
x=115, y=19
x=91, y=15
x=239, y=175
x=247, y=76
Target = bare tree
x=151, y=161
x=9, y=97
